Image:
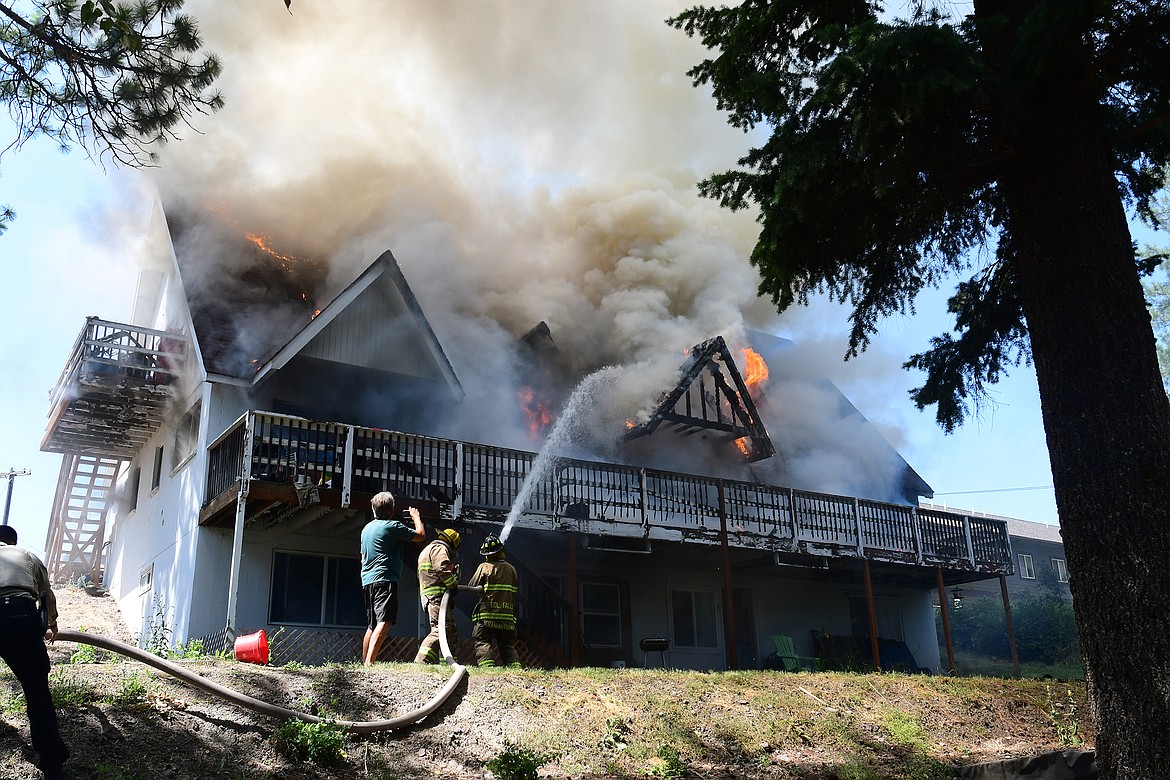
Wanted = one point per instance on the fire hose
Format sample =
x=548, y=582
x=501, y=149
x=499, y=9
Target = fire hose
x=459, y=671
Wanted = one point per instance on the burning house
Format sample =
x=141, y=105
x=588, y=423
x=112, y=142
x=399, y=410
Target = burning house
x=220, y=453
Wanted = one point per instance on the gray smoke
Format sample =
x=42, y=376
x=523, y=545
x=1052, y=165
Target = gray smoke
x=525, y=161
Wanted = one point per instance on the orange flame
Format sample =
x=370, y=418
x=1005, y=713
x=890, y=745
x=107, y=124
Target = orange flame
x=742, y=443
x=538, y=415
x=755, y=369
x=629, y=423
x=261, y=243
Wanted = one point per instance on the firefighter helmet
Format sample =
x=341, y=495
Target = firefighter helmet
x=451, y=537
x=491, y=544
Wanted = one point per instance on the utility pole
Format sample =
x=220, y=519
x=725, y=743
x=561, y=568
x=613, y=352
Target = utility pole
x=12, y=474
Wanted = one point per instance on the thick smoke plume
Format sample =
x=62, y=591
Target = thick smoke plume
x=525, y=161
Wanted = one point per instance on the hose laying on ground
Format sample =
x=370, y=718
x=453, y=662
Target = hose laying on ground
x=273, y=710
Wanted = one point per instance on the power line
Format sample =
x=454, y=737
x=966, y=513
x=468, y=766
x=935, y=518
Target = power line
x=995, y=490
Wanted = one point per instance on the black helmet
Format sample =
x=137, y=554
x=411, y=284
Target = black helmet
x=491, y=544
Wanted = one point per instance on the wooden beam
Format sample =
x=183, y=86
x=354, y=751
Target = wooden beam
x=874, y=648
x=1011, y=630
x=575, y=612
x=946, y=617
x=728, y=596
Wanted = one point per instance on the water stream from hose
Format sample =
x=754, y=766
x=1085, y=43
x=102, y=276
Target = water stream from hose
x=565, y=430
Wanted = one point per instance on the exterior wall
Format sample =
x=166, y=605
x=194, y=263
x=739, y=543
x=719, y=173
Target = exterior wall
x=154, y=546
x=256, y=575
x=780, y=603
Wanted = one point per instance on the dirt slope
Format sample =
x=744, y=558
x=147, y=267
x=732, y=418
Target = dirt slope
x=125, y=721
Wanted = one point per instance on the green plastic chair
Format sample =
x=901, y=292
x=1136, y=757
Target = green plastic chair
x=786, y=654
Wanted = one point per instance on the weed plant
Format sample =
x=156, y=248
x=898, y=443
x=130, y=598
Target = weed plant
x=670, y=763
x=132, y=690
x=516, y=762
x=68, y=690
x=107, y=772
x=1062, y=716
x=318, y=743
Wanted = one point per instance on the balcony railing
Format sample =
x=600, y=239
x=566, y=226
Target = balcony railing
x=112, y=394
x=114, y=349
x=483, y=482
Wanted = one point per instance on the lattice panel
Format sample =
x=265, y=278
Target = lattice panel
x=316, y=648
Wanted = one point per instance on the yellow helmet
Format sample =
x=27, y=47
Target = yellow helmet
x=451, y=537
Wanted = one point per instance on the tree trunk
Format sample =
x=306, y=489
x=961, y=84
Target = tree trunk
x=1106, y=415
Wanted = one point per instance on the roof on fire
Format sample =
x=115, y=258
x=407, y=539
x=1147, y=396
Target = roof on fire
x=380, y=292
x=245, y=300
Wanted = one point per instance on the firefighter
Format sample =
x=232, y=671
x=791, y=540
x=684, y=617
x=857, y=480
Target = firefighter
x=23, y=581
x=438, y=573
x=495, y=614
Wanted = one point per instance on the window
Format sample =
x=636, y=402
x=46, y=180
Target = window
x=316, y=590
x=601, y=614
x=146, y=579
x=694, y=618
x=1027, y=568
x=186, y=436
x=1061, y=569
x=133, y=482
x=156, y=474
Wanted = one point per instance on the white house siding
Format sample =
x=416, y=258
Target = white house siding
x=160, y=536
x=256, y=574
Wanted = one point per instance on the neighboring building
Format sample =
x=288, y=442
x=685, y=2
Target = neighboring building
x=1040, y=565
x=246, y=425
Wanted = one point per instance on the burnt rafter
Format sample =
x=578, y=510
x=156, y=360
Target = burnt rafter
x=711, y=396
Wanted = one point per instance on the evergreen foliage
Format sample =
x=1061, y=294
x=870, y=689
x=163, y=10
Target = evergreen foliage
x=887, y=142
x=999, y=144
x=116, y=76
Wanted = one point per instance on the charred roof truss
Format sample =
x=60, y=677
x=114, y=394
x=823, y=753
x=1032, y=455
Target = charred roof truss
x=711, y=396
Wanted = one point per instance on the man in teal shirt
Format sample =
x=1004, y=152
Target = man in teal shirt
x=382, y=540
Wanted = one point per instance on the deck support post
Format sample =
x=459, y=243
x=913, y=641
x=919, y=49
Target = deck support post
x=946, y=617
x=728, y=596
x=1011, y=629
x=238, y=528
x=874, y=648
x=347, y=459
x=575, y=616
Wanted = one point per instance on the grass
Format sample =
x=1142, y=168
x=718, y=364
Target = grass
x=131, y=692
x=653, y=723
x=69, y=690
x=971, y=665
x=905, y=729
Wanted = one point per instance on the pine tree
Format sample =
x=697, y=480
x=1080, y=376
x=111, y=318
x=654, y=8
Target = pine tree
x=1000, y=148
x=117, y=78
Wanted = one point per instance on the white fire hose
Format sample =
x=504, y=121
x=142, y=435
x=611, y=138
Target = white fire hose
x=275, y=711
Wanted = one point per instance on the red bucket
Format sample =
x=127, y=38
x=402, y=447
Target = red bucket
x=252, y=648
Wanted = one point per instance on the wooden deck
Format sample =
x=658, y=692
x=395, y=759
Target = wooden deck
x=274, y=454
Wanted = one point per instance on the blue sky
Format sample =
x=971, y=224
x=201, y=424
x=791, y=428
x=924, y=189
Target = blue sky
x=610, y=97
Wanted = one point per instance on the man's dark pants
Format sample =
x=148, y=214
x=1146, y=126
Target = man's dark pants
x=23, y=648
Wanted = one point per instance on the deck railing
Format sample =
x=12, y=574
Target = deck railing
x=481, y=480
x=128, y=351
